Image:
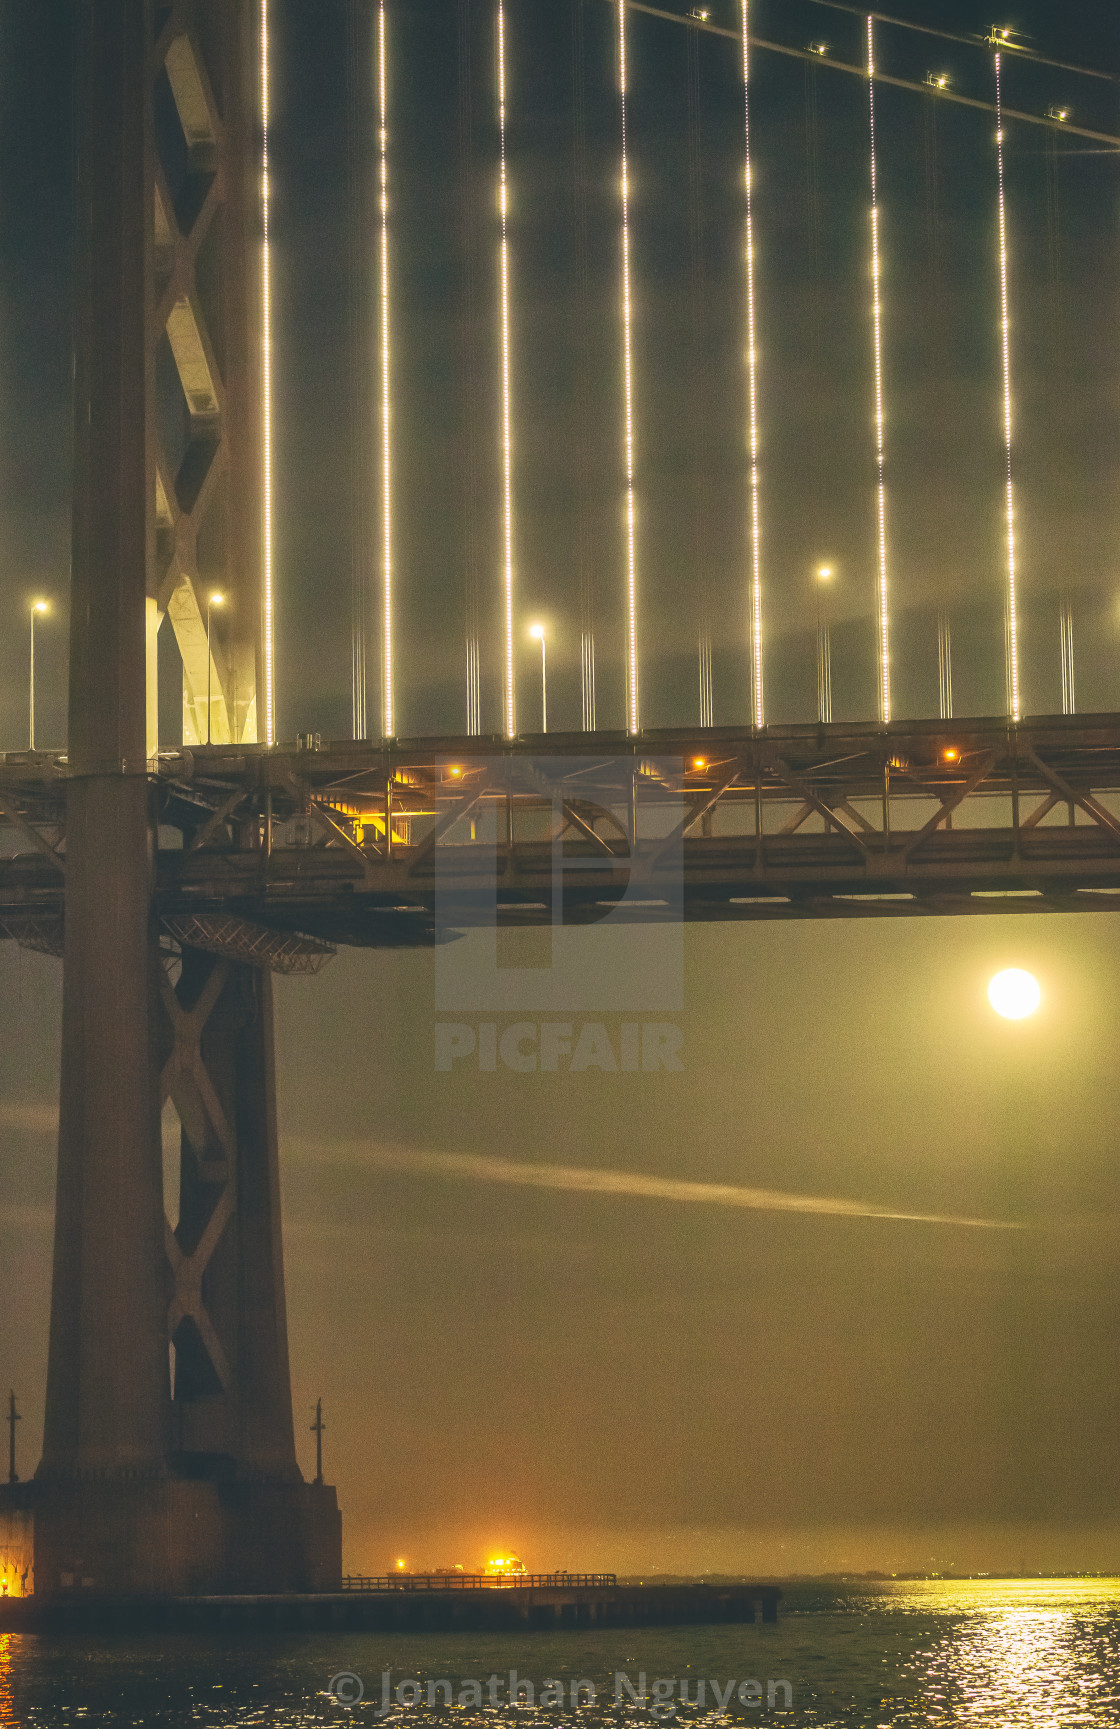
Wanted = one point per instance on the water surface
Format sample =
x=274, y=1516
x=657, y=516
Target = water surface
x=1017, y=1654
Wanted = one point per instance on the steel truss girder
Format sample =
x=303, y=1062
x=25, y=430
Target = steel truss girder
x=795, y=822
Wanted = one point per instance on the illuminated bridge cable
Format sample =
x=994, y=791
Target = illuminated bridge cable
x=1013, y=704
x=757, y=705
x=944, y=664
x=267, y=597
x=510, y=705
x=883, y=653
x=584, y=457
x=388, y=724
x=357, y=72
x=702, y=488
x=1060, y=326
x=632, y=722
x=471, y=392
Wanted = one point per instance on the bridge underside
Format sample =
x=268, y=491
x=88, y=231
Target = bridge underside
x=346, y=843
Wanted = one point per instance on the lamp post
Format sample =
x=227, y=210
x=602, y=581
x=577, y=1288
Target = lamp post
x=824, y=651
x=38, y=607
x=537, y=632
x=212, y=600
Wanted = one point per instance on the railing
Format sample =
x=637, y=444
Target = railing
x=475, y=1581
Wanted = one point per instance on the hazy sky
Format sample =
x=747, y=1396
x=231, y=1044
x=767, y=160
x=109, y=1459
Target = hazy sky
x=616, y=1380
x=627, y=1380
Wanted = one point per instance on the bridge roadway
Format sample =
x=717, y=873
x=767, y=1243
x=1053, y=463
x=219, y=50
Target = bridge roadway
x=348, y=842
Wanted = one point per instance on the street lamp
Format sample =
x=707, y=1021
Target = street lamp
x=537, y=632
x=211, y=601
x=824, y=651
x=38, y=607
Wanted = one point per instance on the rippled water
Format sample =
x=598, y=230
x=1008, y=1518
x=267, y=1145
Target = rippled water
x=923, y=1656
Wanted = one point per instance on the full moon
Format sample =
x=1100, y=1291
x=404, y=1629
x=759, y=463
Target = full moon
x=1014, y=994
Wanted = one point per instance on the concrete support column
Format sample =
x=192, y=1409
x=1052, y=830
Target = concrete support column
x=107, y=1396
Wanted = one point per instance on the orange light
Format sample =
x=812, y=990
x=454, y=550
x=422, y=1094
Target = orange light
x=400, y=1563
x=456, y=772
x=951, y=755
x=699, y=762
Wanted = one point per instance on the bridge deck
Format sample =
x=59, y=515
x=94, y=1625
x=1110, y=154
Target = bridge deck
x=387, y=845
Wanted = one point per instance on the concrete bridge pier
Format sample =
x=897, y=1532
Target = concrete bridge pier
x=152, y=1483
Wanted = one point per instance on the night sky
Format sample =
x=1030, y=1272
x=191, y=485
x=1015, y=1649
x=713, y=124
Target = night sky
x=625, y=1381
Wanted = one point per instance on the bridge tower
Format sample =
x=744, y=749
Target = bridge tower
x=169, y=1457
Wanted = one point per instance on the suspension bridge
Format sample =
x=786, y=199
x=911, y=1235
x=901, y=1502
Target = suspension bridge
x=174, y=876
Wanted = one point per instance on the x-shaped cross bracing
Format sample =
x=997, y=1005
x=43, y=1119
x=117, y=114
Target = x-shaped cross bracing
x=186, y=1083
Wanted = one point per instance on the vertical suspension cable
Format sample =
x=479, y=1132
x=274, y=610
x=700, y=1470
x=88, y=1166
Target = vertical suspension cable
x=1061, y=372
x=944, y=663
x=388, y=725
x=584, y=392
x=628, y=396
x=939, y=322
x=269, y=656
x=506, y=402
x=702, y=488
x=357, y=72
x=1013, y=704
x=757, y=707
x=1069, y=688
x=884, y=647
x=471, y=388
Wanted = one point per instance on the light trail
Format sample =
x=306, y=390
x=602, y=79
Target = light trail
x=266, y=392
x=507, y=411
x=884, y=648
x=614, y=1184
x=1005, y=339
x=628, y=399
x=387, y=692
x=758, y=712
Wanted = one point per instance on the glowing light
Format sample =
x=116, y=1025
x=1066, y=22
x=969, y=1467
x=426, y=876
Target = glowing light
x=1005, y=337
x=536, y=631
x=628, y=399
x=1014, y=994
x=214, y=600
x=699, y=762
x=950, y=754
x=825, y=573
x=884, y=655
x=757, y=706
x=938, y=80
x=818, y=47
x=505, y=1564
x=40, y=606
x=266, y=391
x=387, y=692
x=507, y=410
x=400, y=1563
